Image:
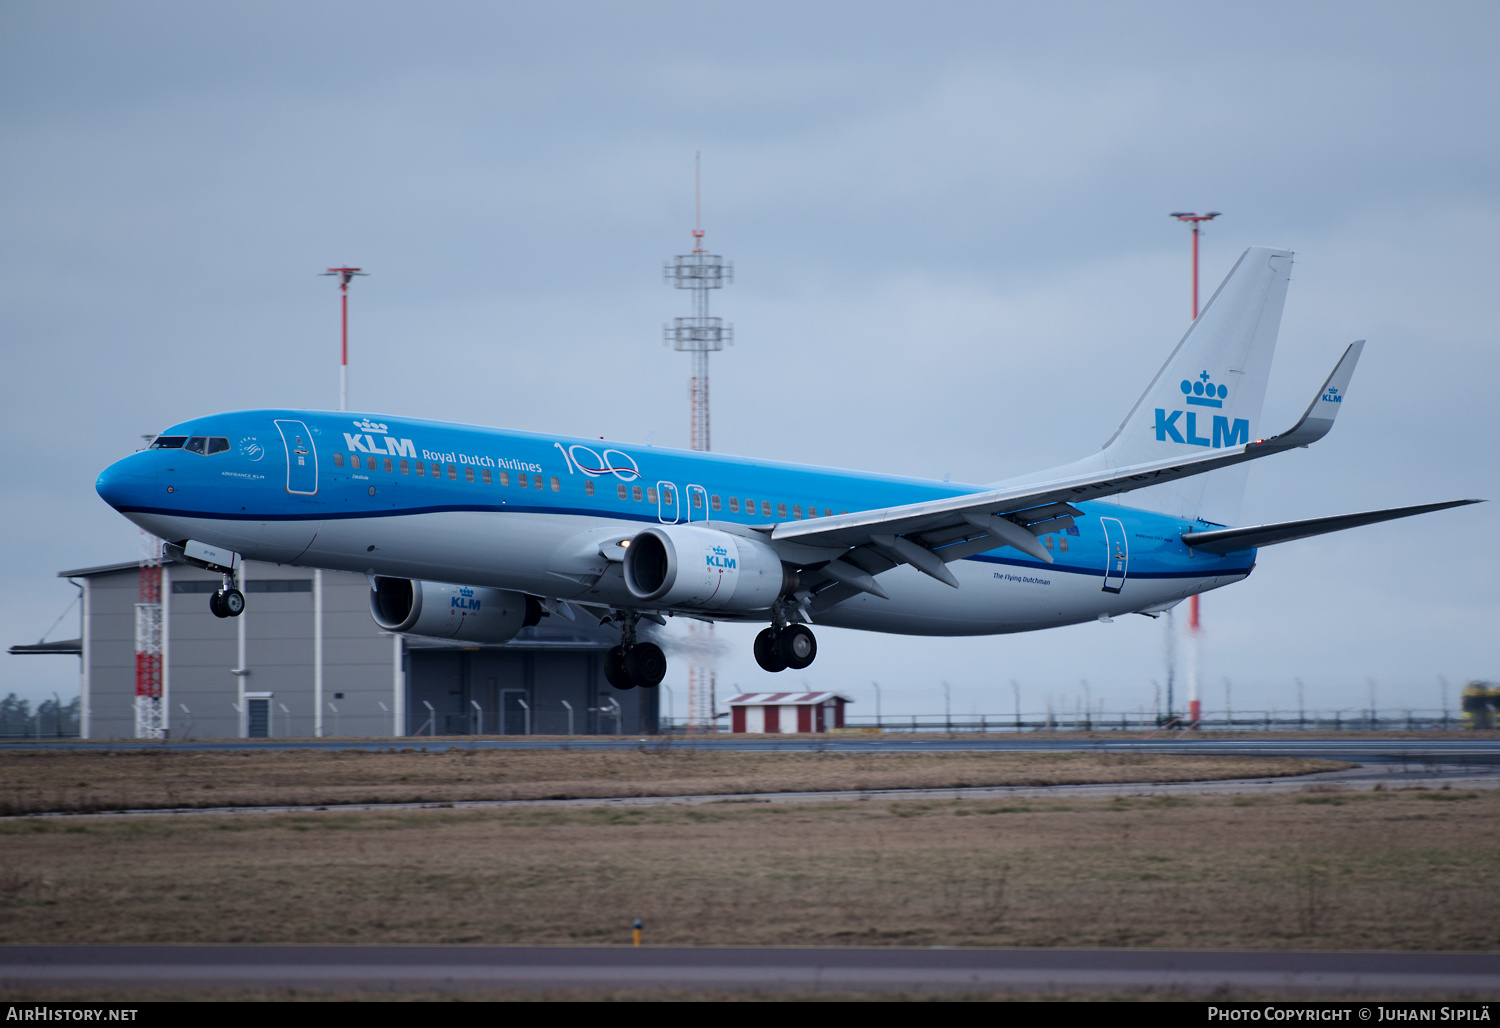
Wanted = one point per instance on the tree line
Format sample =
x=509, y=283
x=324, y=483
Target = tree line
x=49, y=718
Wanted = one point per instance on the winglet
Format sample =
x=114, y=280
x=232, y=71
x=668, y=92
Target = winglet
x=1319, y=417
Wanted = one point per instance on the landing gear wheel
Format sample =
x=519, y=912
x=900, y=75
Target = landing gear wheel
x=215, y=604
x=796, y=647
x=232, y=602
x=647, y=664
x=614, y=669
x=765, y=651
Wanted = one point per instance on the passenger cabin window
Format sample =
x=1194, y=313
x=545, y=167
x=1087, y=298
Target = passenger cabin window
x=1062, y=543
x=635, y=493
x=698, y=500
x=1047, y=541
x=487, y=476
x=734, y=505
x=421, y=468
x=338, y=460
x=796, y=511
x=827, y=512
x=469, y=474
x=650, y=494
x=524, y=480
x=405, y=468
x=505, y=478
x=354, y=460
x=388, y=466
x=668, y=496
x=453, y=472
x=168, y=442
x=621, y=490
x=536, y=480
x=588, y=486
x=556, y=485
x=713, y=502
x=765, y=508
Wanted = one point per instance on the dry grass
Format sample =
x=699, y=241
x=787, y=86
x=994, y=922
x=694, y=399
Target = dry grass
x=1320, y=870
x=61, y=780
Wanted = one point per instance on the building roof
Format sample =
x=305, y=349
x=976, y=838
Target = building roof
x=785, y=699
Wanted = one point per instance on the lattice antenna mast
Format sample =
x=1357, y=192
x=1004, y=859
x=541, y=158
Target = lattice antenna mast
x=700, y=334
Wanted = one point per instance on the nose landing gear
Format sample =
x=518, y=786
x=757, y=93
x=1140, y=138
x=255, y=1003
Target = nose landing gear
x=228, y=602
x=793, y=646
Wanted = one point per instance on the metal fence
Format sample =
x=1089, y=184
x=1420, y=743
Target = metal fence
x=1350, y=720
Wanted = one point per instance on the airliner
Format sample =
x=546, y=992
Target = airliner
x=470, y=533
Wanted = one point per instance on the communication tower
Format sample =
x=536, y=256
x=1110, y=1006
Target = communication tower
x=699, y=335
x=150, y=711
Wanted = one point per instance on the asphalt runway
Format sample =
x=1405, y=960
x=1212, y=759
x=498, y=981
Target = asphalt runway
x=468, y=968
x=1410, y=750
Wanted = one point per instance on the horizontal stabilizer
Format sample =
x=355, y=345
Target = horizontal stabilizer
x=1230, y=540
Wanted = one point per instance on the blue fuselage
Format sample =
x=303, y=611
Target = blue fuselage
x=513, y=510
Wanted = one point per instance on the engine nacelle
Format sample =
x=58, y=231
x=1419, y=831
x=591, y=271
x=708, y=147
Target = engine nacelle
x=451, y=611
x=701, y=568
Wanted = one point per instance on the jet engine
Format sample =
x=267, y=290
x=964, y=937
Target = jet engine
x=451, y=611
x=690, y=567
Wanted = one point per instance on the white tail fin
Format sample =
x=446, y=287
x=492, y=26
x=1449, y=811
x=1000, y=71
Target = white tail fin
x=1208, y=394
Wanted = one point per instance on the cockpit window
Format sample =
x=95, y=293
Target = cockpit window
x=168, y=442
x=206, y=444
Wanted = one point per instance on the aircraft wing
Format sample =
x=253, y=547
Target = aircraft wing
x=1228, y=540
x=929, y=534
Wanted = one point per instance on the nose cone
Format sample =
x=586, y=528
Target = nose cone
x=128, y=483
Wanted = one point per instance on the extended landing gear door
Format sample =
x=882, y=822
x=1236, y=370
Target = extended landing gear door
x=301, y=458
x=1117, y=555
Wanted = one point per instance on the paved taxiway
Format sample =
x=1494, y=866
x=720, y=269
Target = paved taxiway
x=456, y=968
x=1411, y=749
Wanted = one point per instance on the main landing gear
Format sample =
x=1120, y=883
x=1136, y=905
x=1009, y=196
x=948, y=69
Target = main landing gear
x=228, y=602
x=791, y=646
x=632, y=663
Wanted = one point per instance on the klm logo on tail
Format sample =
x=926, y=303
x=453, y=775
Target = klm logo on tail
x=1202, y=393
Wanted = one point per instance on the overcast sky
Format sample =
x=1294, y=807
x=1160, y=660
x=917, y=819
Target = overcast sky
x=952, y=254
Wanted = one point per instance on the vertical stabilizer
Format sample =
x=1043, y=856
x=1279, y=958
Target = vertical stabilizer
x=1207, y=395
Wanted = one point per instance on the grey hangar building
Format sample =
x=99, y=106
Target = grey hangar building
x=306, y=660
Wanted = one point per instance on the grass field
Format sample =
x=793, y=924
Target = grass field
x=63, y=780
x=1321, y=870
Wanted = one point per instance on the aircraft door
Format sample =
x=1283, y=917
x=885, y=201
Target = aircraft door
x=1117, y=555
x=696, y=505
x=666, y=503
x=301, y=458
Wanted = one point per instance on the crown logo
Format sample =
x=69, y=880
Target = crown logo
x=1332, y=395
x=721, y=551
x=1204, y=393
x=370, y=426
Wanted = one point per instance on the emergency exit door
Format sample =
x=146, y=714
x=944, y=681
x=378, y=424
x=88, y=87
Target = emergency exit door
x=1117, y=555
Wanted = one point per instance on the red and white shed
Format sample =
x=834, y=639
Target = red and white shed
x=787, y=711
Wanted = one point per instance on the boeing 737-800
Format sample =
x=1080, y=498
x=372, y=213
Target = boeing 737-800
x=472, y=533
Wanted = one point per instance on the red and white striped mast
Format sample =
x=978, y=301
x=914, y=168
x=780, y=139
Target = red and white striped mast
x=344, y=274
x=1195, y=707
